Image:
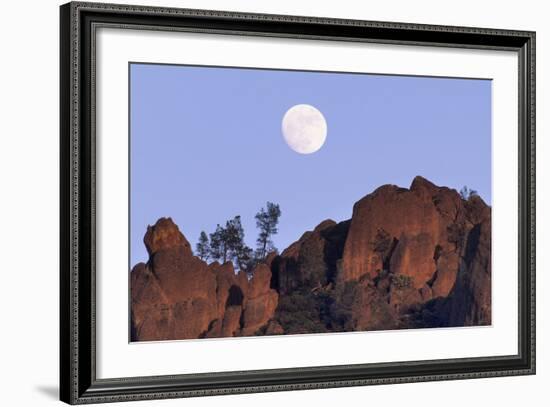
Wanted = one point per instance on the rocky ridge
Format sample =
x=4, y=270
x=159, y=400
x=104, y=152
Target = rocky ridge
x=408, y=258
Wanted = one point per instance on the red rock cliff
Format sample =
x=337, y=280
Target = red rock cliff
x=408, y=258
x=178, y=296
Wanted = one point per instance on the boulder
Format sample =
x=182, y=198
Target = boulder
x=426, y=293
x=258, y=312
x=447, y=265
x=225, y=280
x=231, y=321
x=392, y=213
x=171, y=296
x=470, y=299
x=260, y=282
x=164, y=235
x=312, y=261
x=413, y=257
x=261, y=301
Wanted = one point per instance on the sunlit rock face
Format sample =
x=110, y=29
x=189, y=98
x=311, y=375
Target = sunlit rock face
x=178, y=296
x=408, y=258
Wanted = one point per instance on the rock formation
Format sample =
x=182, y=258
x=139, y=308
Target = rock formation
x=178, y=296
x=408, y=258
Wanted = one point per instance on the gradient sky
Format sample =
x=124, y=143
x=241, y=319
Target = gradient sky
x=206, y=144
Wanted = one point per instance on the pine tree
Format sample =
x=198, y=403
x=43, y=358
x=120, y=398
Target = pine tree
x=245, y=259
x=266, y=221
x=218, y=244
x=467, y=193
x=234, y=236
x=203, y=246
x=238, y=251
x=227, y=244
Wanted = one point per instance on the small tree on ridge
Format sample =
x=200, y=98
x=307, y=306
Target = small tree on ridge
x=467, y=193
x=218, y=244
x=203, y=246
x=266, y=221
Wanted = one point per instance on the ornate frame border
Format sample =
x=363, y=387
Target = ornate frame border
x=78, y=382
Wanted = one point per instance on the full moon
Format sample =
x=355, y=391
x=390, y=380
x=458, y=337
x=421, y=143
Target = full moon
x=304, y=129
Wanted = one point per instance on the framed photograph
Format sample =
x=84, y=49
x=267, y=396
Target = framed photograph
x=255, y=203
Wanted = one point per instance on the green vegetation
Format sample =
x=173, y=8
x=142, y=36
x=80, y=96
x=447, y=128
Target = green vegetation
x=467, y=193
x=325, y=310
x=226, y=243
x=203, y=246
x=342, y=299
x=382, y=242
x=401, y=281
x=313, y=267
x=266, y=221
x=301, y=312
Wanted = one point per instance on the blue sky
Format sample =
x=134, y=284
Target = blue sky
x=206, y=144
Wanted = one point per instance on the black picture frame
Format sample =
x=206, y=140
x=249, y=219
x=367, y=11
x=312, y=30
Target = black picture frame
x=78, y=382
